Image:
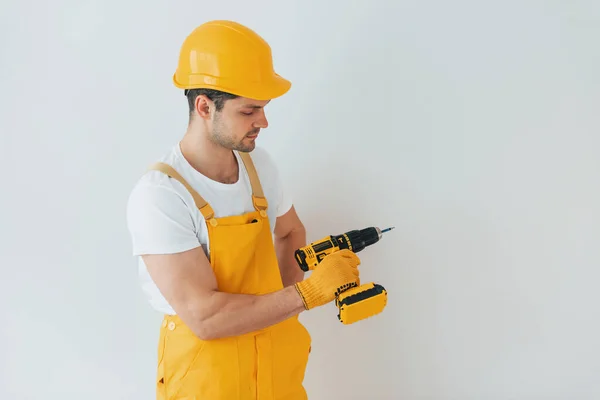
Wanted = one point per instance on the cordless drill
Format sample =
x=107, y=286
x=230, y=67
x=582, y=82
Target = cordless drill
x=355, y=303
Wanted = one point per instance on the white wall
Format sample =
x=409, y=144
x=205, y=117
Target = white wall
x=471, y=126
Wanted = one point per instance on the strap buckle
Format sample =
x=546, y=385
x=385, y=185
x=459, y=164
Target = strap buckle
x=260, y=203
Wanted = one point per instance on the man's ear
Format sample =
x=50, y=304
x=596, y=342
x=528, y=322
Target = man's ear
x=204, y=106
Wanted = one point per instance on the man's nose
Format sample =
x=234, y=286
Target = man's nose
x=262, y=122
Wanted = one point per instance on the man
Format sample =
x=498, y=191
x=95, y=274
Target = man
x=215, y=232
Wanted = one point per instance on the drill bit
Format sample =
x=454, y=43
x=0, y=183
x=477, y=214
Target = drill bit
x=387, y=229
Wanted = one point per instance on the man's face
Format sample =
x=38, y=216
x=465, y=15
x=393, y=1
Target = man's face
x=237, y=125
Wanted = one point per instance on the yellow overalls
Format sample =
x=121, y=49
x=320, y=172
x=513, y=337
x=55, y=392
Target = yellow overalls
x=264, y=365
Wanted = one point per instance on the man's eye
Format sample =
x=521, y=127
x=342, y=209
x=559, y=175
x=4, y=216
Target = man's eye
x=247, y=112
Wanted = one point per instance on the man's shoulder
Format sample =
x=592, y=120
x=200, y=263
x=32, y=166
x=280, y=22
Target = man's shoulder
x=160, y=215
x=154, y=178
x=153, y=185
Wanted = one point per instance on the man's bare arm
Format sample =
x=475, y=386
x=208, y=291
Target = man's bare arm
x=290, y=235
x=188, y=283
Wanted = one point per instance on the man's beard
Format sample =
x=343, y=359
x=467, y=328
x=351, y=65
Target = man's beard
x=219, y=138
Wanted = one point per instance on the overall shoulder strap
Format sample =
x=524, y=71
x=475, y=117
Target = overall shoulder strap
x=202, y=205
x=258, y=197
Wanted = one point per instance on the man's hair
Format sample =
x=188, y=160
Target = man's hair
x=218, y=97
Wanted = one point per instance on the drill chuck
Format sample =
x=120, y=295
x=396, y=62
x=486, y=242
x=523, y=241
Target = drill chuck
x=359, y=239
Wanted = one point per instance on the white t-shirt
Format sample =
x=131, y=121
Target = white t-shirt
x=162, y=217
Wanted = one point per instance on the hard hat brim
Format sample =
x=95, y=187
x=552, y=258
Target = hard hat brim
x=272, y=88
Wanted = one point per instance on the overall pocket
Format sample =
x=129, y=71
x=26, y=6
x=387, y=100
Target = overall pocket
x=210, y=371
x=291, y=349
x=181, y=350
x=234, y=258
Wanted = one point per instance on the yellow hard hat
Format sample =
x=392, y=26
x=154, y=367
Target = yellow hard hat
x=230, y=57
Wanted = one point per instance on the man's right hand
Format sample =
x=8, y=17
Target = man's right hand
x=337, y=271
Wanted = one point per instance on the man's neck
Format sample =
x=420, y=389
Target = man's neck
x=210, y=159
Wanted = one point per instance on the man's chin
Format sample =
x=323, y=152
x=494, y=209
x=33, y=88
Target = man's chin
x=246, y=147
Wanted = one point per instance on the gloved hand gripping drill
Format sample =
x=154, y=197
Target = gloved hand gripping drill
x=354, y=301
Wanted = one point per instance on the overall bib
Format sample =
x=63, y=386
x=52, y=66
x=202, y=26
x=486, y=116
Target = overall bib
x=268, y=364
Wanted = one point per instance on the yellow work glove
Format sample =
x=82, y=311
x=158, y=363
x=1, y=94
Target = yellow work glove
x=336, y=272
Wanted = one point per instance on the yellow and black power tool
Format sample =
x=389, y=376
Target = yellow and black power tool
x=355, y=303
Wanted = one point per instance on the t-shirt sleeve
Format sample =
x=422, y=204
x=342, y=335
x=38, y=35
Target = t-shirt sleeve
x=159, y=221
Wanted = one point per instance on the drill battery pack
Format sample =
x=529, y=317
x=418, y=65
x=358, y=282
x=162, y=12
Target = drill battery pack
x=361, y=302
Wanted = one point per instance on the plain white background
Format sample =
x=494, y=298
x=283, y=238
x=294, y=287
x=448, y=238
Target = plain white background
x=473, y=127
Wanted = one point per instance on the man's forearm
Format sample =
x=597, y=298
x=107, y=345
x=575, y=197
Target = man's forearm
x=285, y=248
x=225, y=314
